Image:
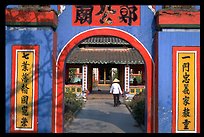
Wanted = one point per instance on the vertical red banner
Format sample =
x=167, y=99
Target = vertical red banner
x=186, y=90
x=24, y=94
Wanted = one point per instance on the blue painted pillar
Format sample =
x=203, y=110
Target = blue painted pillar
x=28, y=28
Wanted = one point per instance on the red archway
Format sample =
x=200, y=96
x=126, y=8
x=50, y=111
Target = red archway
x=58, y=75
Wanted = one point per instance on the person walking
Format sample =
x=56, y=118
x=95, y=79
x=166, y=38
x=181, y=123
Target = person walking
x=116, y=91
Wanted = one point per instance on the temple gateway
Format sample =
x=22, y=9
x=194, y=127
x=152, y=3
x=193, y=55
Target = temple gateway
x=54, y=49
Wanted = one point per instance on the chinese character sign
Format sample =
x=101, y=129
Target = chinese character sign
x=24, y=88
x=24, y=93
x=186, y=89
x=105, y=15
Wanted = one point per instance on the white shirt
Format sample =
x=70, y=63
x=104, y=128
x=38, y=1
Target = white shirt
x=115, y=89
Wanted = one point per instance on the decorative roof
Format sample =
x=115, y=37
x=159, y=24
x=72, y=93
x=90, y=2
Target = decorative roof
x=108, y=55
x=105, y=40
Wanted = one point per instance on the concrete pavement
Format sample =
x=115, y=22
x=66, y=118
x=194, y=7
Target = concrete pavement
x=99, y=116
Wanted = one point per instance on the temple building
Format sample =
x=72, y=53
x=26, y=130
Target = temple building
x=53, y=49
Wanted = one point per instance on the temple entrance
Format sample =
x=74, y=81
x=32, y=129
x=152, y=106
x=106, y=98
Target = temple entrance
x=102, y=78
x=86, y=56
x=92, y=66
x=97, y=61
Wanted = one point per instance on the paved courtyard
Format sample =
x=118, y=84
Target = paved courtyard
x=99, y=116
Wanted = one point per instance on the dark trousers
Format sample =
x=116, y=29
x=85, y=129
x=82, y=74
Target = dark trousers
x=116, y=99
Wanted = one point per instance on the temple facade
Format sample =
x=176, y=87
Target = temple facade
x=52, y=49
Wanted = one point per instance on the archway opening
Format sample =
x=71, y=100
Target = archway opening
x=57, y=125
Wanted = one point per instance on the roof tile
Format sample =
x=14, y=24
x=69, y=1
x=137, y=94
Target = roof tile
x=104, y=56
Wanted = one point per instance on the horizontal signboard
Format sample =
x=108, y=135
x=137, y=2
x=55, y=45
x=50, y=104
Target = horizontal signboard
x=105, y=15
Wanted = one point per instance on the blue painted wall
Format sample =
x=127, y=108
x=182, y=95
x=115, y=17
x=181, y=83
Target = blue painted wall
x=144, y=32
x=165, y=42
x=44, y=38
